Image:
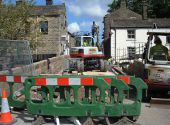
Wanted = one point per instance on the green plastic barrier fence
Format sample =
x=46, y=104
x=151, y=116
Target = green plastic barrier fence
x=14, y=95
x=138, y=86
x=83, y=95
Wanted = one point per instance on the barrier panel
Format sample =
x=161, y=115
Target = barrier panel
x=105, y=96
x=83, y=95
x=137, y=87
x=15, y=89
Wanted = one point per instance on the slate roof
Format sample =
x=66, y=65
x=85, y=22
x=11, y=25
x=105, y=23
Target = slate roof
x=49, y=10
x=125, y=18
x=161, y=23
x=124, y=13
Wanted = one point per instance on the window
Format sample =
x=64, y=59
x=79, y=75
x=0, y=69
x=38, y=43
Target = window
x=131, y=34
x=88, y=40
x=63, y=38
x=44, y=27
x=168, y=39
x=131, y=52
x=78, y=41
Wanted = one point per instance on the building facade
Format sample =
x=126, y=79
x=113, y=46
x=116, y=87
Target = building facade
x=53, y=29
x=47, y=25
x=125, y=30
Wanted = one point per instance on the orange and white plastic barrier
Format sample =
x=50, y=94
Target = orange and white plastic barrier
x=63, y=81
x=15, y=79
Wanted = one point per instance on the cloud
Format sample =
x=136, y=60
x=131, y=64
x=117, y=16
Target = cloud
x=75, y=9
x=92, y=11
x=89, y=23
x=85, y=24
x=73, y=27
x=95, y=11
x=87, y=11
x=89, y=8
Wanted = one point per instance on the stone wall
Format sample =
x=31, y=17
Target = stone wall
x=52, y=66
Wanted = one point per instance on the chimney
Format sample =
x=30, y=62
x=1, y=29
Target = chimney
x=123, y=4
x=145, y=9
x=49, y=2
x=19, y=2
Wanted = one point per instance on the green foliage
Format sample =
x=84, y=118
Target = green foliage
x=156, y=8
x=159, y=8
x=114, y=5
x=136, y=6
x=16, y=22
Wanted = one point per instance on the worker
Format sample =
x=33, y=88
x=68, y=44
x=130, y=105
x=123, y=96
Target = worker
x=85, y=43
x=159, y=49
x=110, y=60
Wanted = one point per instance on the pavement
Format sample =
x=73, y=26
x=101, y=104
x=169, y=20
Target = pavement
x=154, y=115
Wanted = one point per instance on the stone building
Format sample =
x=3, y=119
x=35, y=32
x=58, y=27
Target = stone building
x=50, y=30
x=70, y=42
x=53, y=28
x=124, y=29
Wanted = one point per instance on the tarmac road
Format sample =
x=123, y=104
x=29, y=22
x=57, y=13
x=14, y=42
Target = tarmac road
x=155, y=115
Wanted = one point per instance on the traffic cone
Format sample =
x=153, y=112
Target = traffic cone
x=6, y=117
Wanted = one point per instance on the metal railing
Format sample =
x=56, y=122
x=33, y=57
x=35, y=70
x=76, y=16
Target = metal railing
x=124, y=55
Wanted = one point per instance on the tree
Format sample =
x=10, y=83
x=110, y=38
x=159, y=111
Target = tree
x=156, y=8
x=114, y=5
x=135, y=5
x=16, y=22
x=159, y=8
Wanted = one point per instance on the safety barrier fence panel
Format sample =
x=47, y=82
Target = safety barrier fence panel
x=15, y=89
x=137, y=87
x=82, y=95
x=131, y=98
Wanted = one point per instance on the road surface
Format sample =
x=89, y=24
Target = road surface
x=155, y=115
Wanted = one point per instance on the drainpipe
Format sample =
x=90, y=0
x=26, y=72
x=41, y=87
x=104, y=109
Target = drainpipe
x=115, y=45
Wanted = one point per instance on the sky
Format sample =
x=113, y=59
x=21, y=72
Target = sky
x=82, y=13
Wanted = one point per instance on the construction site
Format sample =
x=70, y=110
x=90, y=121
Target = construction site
x=78, y=79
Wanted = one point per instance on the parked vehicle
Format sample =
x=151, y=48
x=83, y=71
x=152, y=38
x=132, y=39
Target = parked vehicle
x=86, y=55
x=157, y=67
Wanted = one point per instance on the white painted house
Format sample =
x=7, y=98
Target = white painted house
x=125, y=30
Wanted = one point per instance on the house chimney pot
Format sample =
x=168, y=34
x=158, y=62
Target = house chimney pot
x=18, y=2
x=49, y=2
x=123, y=4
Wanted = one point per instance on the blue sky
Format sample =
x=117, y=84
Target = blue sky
x=81, y=13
